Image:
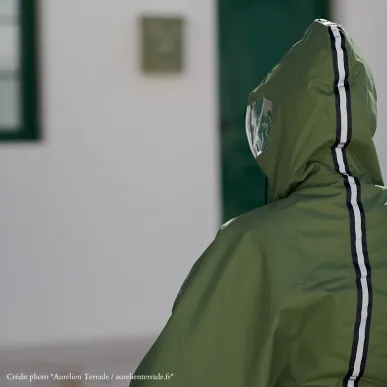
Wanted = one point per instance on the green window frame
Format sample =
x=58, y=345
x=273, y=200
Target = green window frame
x=19, y=97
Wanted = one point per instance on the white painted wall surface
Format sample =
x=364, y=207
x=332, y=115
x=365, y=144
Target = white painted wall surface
x=365, y=21
x=101, y=222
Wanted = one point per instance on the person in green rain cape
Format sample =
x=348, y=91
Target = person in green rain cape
x=294, y=294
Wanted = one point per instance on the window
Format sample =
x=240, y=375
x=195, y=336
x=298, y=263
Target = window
x=18, y=71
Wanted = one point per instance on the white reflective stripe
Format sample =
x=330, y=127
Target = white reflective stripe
x=355, y=207
x=340, y=160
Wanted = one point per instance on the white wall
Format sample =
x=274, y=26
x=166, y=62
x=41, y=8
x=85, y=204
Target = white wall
x=101, y=222
x=365, y=21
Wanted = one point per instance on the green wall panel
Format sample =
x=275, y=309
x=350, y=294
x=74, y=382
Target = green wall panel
x=253, y=36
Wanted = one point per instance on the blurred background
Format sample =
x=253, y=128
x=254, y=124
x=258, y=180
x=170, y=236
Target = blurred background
x=122, y=151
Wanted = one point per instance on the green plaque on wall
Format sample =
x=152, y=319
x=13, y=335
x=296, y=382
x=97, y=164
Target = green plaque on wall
x=162, y=44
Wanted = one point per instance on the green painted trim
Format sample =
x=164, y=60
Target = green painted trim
x=30, y=106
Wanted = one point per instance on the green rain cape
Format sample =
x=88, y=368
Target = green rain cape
x=294, y=294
